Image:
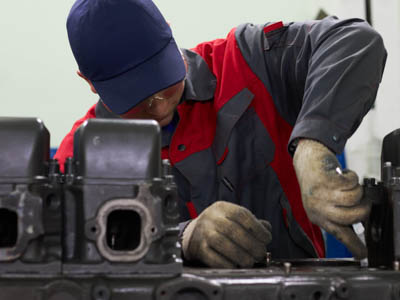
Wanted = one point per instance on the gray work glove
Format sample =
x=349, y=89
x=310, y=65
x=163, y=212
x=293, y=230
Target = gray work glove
x=332, y=197
x=226, y=235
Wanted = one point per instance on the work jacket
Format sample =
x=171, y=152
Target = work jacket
x=248, y=98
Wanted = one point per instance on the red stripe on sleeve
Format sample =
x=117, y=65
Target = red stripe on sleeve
x=273, y=27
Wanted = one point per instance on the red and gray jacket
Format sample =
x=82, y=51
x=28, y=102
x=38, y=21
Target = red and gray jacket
x=247, y=99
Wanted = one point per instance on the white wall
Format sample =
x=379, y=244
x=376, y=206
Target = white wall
x=198, y=21
x=36, y=65
x=37, y=69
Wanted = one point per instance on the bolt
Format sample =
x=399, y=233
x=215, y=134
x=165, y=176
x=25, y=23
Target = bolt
x=169, y=179
x=268, y=259
x=288, y=267
x=167, y=168
x=29, y=229
x=396, y=265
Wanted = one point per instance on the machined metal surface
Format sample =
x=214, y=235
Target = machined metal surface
x=303, y=282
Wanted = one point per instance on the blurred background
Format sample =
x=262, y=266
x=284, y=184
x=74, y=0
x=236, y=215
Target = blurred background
x=38, y=72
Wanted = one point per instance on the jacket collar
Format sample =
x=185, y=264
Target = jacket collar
x=200, y=83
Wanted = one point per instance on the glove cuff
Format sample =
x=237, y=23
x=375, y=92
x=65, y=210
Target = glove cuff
x=186, y=238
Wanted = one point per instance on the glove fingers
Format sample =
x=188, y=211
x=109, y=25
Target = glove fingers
x=351, y=179
x=345, y=181
x=231, y=251
x=321, y=200
x=250, y=223
x=225, y=235
x=348, y=198
x=238, y=235
x=348, y=215
x=267, y=225
x=213, y=259
x=338, y=197
x=346, y=235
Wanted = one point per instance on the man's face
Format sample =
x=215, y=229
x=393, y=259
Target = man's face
x=159, y=107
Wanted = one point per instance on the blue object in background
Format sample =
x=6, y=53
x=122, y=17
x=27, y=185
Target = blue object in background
x=334, y=248
x=52, y=152
x=342, y=160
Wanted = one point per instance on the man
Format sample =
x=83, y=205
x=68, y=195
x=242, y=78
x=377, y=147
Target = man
x=233, y=112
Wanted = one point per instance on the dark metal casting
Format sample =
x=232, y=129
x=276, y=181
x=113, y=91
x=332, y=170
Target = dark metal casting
x=108, y=227
x=383, y=226
x=30, y=199
x=115, y=194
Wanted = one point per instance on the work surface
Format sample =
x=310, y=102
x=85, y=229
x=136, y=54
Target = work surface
x=302, y=279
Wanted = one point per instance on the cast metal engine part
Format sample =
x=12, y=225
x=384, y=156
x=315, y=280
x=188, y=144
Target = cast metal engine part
x=342, y=279
x=113, y=211
x=108, y=228
x=383, y=226
x=118, y=202
x=30, y=199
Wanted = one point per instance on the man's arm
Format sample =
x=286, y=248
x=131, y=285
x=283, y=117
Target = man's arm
x=323, y=77
x=344, y=68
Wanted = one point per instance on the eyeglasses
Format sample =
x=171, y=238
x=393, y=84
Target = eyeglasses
x=161, y=96
x=149, y=104
x=146, y=105
x=153, y=98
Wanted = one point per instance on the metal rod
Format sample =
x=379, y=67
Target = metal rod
x=368, y=11
x=396, y=265
x=268, y=259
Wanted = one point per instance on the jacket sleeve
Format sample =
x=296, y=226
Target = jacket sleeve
x=343, y=62
x=323, y=76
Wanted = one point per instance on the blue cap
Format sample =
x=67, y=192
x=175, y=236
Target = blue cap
x=125, y=48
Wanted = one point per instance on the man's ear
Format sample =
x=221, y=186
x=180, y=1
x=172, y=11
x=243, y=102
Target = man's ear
x=87, y=80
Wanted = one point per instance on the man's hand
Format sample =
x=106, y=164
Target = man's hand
x=226, y=235
x=332, y=197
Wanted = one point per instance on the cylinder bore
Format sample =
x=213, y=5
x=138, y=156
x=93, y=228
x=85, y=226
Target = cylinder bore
x=8, y=228
x=123, y=230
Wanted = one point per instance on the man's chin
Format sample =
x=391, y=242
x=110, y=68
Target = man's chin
x=165, y=121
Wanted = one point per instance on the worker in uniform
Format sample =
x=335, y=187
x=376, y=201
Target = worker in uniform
x=250, y=123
